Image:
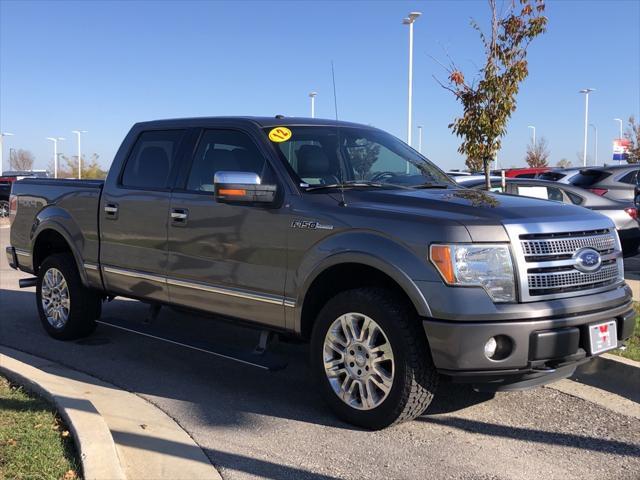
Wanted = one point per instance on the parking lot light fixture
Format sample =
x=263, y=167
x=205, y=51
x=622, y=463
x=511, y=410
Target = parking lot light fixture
x=313, y=95
x=55, y=141
x=534, y=134
x=586, y=92
x=410, y=20
x=79, y=133
x=596, y=143
x=619, y=120
x=2, y=135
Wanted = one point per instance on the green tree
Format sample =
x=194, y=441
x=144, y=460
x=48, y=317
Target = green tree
x=633, y=135
x=489, y=103
x=90, y=169
x=538, y=153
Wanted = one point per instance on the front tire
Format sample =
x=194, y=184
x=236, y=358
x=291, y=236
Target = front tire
x=67, y=308
x=371, y=359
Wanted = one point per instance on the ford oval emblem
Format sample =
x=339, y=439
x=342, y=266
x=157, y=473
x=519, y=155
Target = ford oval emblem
x=588, y=260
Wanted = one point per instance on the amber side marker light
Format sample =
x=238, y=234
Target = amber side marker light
x=232, y=192
x=441, y=258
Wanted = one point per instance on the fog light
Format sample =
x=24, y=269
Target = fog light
x=490, y=347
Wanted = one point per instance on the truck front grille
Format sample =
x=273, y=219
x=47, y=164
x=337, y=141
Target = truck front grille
x=561, y=247
x=548, y=265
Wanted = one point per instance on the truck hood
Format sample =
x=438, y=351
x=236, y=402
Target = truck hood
x=472, y=207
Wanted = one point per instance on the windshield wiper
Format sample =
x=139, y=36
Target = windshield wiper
x=358, y=183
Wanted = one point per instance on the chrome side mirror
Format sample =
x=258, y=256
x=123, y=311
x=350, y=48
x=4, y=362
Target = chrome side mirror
x=242, y=187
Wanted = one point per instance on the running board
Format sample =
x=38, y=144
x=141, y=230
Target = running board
x=265, y=361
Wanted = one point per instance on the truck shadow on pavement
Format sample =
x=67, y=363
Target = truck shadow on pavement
x=537, y=436
x=212, y=397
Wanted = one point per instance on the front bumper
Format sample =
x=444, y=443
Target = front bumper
x=542, y=350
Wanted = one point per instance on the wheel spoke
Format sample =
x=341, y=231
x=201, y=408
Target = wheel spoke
x=358, y=361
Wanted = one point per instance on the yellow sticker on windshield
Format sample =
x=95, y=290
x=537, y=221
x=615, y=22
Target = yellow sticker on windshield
x=279, y=134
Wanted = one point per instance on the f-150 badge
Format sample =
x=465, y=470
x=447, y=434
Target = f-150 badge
x=310, y=224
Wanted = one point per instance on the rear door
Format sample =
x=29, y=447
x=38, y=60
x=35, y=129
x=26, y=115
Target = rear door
x=224, y=258
x=134, y=216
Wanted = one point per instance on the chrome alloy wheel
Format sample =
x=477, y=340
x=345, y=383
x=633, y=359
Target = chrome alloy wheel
x=55, y=298
x=358, y=361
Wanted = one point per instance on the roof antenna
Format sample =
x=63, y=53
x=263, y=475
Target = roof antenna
x=342, y=203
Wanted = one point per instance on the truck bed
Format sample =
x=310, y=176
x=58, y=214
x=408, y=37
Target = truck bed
x=72, y=204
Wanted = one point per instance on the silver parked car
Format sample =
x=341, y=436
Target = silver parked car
x=624, y=214
x=615, y=182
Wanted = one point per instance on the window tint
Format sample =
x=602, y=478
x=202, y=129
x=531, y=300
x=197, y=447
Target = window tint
x=544, y=192
x=575, y=199
x=555, y=176
x=151, y=159
x=586, y=178
x=630, y=177
x=223, y=150
x=525, y=175
x=330, y=155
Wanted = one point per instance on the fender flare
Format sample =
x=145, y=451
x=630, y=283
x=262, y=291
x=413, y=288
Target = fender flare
x=47, y=219
x=397, y=270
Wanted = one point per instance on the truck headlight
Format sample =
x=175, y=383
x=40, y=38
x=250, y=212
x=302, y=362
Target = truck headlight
x=477, y=265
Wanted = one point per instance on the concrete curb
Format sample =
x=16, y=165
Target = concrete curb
x=119, y=434
x=609, y=381
x=90, y=432
x=634, y=284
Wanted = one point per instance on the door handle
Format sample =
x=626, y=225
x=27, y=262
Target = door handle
x=179, y=215
x=111, y=209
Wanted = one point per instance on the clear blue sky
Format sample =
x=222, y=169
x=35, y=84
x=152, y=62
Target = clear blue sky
x=103, y=65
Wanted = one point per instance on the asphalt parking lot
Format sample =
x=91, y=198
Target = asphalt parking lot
x=253, y=424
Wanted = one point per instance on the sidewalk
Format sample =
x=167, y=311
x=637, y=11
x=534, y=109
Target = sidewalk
x=118, y=434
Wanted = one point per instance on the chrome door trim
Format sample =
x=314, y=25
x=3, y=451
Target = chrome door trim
x=23, y=253
x=135, y=274
x=258, y=297
x=90, y=266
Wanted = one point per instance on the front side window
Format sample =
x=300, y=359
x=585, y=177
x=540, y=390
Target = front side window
x=337, y=155
x=223, y=150
x=151, y=159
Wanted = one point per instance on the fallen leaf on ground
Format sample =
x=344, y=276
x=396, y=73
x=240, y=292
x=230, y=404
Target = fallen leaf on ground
x=70, y=475
x=65, y=433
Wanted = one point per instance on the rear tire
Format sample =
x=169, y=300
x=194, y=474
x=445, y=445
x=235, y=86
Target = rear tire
x=67, y=308
x=392, y=370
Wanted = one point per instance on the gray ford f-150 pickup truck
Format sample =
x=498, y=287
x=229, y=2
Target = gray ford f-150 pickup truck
x=337, y=233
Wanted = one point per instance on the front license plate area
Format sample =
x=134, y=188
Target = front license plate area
x=603, y=336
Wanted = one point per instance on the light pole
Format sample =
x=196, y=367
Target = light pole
x=596, y=143
x=619, y=120
x=420, y=138
x=2, y=135
x=534, y=134
x=79, y=133
x=586, y=92
x=55, y=154
x=409, y=20
x=312, y=95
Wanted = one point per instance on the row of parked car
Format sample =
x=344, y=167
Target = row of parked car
x=612, y=191
x=6, y=181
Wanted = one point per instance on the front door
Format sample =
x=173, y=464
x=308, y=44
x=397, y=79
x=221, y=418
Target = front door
x=134, y=215
x=224, y=258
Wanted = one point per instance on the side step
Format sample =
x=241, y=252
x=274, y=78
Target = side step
x=265, y=361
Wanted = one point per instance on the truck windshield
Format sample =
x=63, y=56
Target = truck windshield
x=332, y=156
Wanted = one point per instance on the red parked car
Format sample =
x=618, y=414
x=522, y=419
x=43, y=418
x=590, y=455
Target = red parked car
x=525, y=172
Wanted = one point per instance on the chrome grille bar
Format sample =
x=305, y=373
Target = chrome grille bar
x=567, y=246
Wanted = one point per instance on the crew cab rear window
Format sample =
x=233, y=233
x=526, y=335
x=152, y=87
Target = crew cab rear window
x=151, y=159
x=586, y=178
